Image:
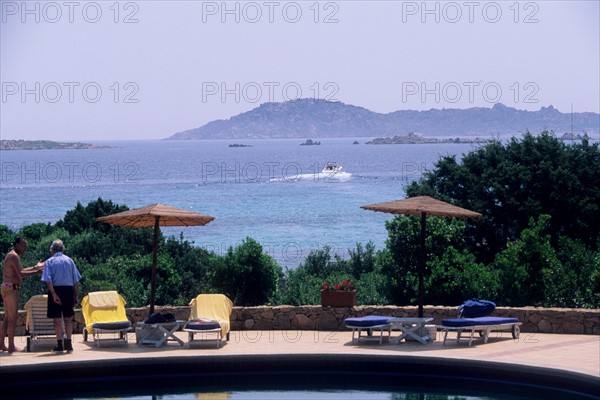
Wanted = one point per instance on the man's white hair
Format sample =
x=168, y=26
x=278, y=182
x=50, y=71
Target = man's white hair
x=57, y=245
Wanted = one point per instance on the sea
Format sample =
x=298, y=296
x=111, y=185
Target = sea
x=272, y=190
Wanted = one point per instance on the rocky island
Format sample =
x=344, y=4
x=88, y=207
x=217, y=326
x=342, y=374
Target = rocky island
x=413, y=138
x=310, y=142
x=240, y=145
x=45, y=145
x=574, y=136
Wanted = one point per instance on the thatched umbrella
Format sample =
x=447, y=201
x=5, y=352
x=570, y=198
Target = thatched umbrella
x=156, y=215
x=423, y=206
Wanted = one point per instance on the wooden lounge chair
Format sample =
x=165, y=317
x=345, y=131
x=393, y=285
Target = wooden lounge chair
x=38, y=326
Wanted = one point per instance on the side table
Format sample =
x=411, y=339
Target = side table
x=158, y=334
x=410, y=327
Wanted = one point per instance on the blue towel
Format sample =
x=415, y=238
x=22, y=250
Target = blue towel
x=475, y=308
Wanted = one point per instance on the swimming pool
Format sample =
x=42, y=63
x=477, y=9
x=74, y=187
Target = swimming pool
x=294, y=376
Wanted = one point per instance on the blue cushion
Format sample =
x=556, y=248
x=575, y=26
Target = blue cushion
x=475, y=308
x=112, y=326
x=369, y=320
x=467, y=322
x=198, y=325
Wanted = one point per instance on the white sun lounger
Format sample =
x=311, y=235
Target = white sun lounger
x=483, y=325
x=369, y=324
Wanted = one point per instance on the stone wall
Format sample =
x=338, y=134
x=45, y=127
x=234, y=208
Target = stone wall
x=542, y=320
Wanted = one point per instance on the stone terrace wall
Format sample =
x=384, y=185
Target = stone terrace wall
x=542, y=320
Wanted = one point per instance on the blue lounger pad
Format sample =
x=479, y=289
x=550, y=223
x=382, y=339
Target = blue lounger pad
x=369, y=320
x=199, y=325
x=112, y=326
x=468, y=322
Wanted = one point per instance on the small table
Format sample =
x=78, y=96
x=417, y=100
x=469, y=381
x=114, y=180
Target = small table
x=410, y=327
x=159, y=333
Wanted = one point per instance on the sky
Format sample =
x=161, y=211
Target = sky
x=109, y=70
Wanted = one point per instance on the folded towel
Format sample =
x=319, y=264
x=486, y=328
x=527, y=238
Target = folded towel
x=203, y=324
x=109, y=299
x=203, y=320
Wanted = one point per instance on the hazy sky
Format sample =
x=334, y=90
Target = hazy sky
x=89, y=70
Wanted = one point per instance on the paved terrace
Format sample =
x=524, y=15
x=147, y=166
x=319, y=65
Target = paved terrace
x=568, y=361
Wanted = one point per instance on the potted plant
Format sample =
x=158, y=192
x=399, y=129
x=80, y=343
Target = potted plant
x=341, y=294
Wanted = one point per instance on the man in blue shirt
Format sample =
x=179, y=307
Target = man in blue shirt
x=61, y=276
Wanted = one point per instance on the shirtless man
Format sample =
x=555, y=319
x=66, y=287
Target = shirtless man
x=12, y=277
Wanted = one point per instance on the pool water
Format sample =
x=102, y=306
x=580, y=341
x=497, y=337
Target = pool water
x=294, y=376
x=311, y=387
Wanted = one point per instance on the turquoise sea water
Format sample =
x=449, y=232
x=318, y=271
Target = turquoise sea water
x=273, y=191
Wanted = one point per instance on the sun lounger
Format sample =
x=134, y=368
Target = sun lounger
x=104, y=313
x=369, y=324
x=38, y=326
x=483, y=325
x=474, y=317
x=209, y=315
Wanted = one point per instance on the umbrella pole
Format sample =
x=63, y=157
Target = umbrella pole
x=154, y=255
x=422, y=263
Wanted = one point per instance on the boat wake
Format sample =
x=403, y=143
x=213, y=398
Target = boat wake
x=319, y=177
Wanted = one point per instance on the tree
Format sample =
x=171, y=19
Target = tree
x=298, y=287
x=509, y=183
x=451, y=271
x=322, y=263
x=7, y=238
x=362, y=260
x=578, y=283
x=34, y=232
x=194, y=265
x=82, y=218
x=247, y=275
x=529, y=267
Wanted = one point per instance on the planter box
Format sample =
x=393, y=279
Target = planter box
x=338, y=298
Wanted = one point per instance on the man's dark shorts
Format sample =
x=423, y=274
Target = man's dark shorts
x=65, y=294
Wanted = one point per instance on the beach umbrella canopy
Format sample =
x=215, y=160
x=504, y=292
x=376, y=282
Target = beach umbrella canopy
x=423, y=206
x=156, y=215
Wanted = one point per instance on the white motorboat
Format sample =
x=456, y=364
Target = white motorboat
x=331, y=168
x=331, y=172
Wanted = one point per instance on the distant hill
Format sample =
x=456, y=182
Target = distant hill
x=320, y=119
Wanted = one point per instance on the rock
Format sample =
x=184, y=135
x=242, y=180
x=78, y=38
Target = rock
x=544, y=326
x=301, y=321
x=327, y=322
